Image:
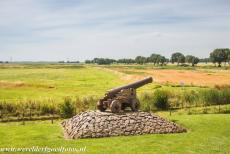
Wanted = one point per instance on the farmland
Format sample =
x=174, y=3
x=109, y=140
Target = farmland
x=53, y=81
x=199, y=76
x=39, y=81
x=207, y=133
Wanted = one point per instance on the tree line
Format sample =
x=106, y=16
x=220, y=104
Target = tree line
x=218, y=56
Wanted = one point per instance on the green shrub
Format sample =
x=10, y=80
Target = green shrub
x=67, y=108
x=160, y=99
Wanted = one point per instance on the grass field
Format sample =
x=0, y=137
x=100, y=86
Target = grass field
x=42, y=81
x=53, y=81
x=207, y=133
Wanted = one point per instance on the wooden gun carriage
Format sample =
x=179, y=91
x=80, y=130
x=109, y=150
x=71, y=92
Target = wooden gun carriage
x=118, y=99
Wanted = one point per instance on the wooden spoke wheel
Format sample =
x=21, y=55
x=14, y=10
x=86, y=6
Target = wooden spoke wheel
x=115, y=106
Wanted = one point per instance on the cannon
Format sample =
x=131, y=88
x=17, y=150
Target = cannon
x=119, y=98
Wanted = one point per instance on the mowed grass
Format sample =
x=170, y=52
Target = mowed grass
x=54, y=81
x=208, y=133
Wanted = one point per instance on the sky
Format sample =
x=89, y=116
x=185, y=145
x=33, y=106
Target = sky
x=53, y=30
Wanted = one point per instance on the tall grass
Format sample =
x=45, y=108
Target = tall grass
x=157, y=100
x=162, y=100
x=48, y=109
x=215, y=97
x=150, y=101
x=146, y=100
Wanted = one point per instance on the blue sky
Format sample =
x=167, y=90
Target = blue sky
x=84, y=29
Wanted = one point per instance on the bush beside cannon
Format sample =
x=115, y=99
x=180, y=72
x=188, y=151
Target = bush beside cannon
x=125, y=96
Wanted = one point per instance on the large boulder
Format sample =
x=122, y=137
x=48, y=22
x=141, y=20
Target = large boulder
x=104, y=124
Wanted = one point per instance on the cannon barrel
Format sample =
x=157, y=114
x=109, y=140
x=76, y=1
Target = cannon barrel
x=134, y=85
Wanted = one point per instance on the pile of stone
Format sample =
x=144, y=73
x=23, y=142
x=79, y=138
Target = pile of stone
x=104, y=124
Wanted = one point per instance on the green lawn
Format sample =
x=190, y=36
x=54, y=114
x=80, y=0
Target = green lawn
x=208, y=133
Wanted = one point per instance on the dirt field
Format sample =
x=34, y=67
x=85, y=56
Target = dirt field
x=188, y=77
x=191, y=77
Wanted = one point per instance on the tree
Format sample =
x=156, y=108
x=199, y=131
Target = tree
x=103, y=61
x=219, y=56
x=126, y=61
x=178, y=58
x=157, y=59
x=228, y=56
x=140, y=60
x=192, y=59
x=154, y=58
x=204, y=60
x=162, y=60
x=88, y=61
x=195, y=61
x=188, y=59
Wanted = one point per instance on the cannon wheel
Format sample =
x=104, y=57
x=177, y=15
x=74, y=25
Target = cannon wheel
x=115, y=106
x=135, y=105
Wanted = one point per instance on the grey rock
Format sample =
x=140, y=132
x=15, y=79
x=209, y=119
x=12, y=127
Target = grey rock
x=94, y=124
